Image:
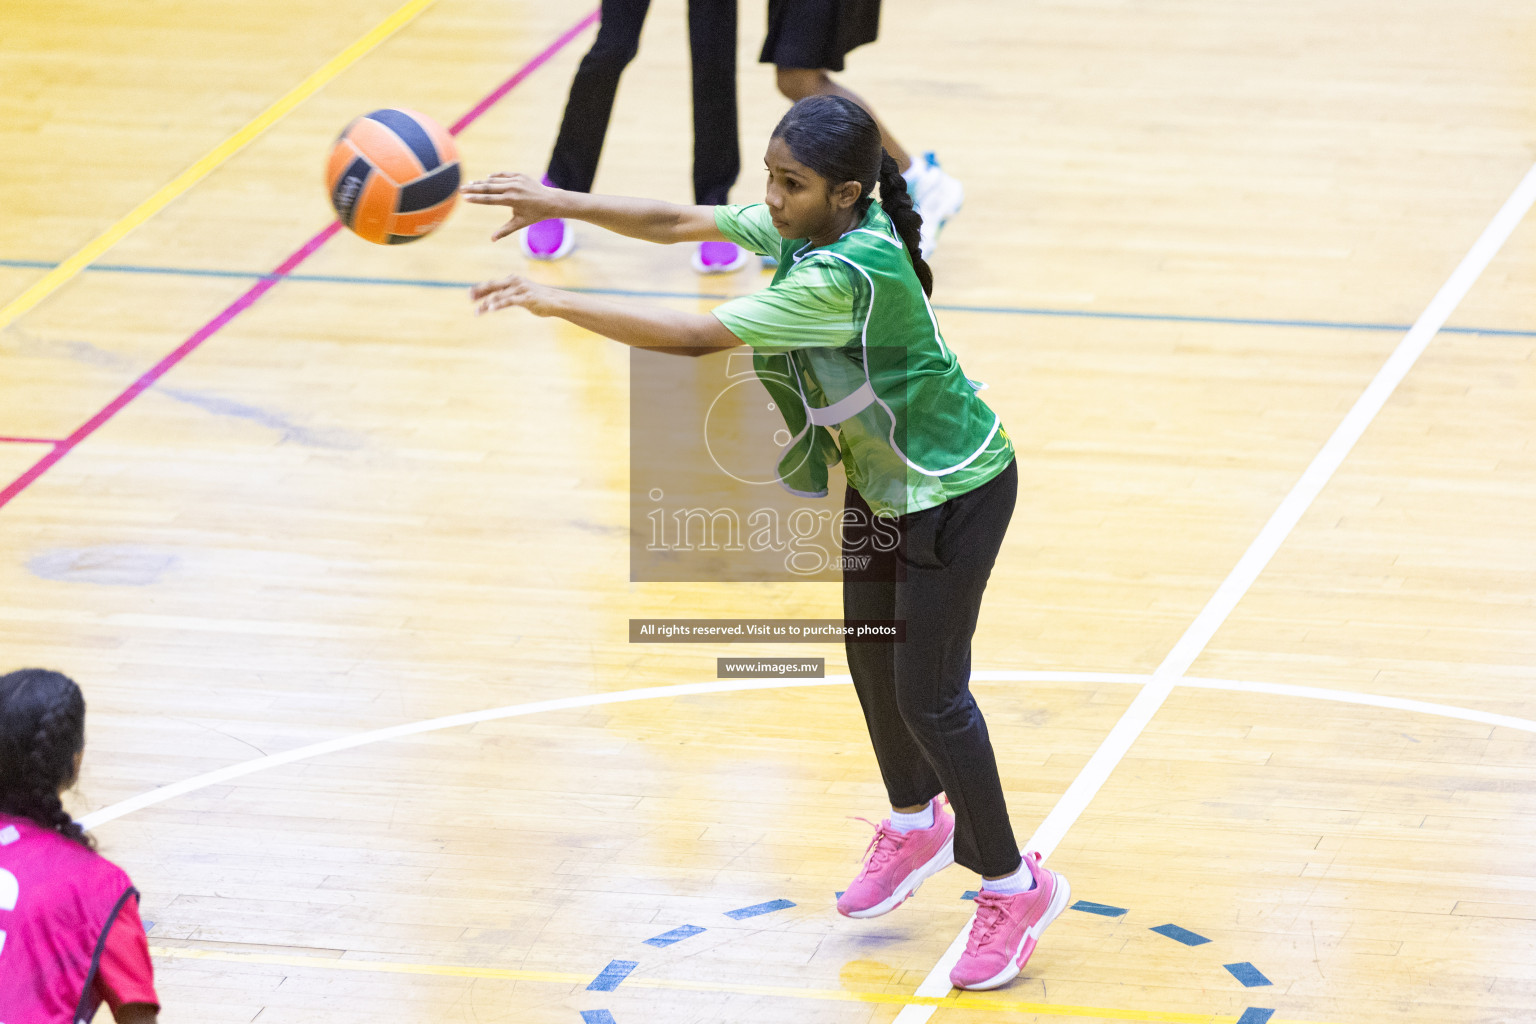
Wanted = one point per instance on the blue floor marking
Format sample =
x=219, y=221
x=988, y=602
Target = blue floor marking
x=125, y=268
x=1335, y=325
x=1241, y=321
x=613, y=974
x=969, y=894
x=1248, y=974
x=1102, y=909
x=760, y=908
x=1183, y=935
x=597, y=1017
x=677, y=934
x=1255, y=1015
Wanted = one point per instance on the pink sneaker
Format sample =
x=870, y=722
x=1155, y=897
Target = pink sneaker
x=719, y=257
x=898, y=862
x=1007, y=927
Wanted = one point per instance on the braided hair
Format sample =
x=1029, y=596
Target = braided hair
x=836, y=138
x=42, y=729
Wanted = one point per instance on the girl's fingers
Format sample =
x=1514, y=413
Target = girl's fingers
x=501, y=176
x=487, y=195
x=495, y=302
x=490, y=296
x=511, y=227
x=495, y=184
x=485, y=288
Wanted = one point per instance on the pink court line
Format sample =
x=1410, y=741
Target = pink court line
x=30, y=440
x=63, y=447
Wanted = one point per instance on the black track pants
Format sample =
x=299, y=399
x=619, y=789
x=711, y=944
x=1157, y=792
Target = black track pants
x=928, y=733
x=712, y=43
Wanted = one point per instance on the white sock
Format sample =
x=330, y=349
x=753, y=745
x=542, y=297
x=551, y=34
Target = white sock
x=1020, y=881
x=916, y=820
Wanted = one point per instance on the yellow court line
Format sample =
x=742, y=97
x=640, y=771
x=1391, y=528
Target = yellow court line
x=953, y=1001
x=93, y=249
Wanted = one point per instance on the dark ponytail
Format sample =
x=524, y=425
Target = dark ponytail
x=897, y=203
x=836, y=138
x=42, y=729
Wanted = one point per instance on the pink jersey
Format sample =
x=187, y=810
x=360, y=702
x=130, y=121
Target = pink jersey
x=57, y=901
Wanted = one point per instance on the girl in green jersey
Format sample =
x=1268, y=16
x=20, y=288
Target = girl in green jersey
x=844, y=337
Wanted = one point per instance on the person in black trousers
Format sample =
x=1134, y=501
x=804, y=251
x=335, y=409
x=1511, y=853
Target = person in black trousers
x=716, y=149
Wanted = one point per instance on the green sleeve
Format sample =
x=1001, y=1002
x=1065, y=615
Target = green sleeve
x=818, y=304
x=750, y=227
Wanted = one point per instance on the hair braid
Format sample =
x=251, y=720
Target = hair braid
x=897, y=203
x=53, y=741
x=42, y=728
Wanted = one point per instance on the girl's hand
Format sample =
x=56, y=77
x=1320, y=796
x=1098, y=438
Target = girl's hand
x=530, y=200
x=512, y=291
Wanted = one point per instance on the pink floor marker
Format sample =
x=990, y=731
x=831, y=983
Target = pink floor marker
x=63, y=447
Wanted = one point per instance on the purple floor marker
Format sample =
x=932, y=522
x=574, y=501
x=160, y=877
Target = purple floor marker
x=1248, y=974
x=615, y=972
x=677, y=934
x=760, y=908
x=1183, y=935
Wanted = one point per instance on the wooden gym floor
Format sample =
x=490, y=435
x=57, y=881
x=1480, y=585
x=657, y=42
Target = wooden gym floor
x=1194, y=234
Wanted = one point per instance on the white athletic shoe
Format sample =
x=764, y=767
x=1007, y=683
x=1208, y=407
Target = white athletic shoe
x=937, y=195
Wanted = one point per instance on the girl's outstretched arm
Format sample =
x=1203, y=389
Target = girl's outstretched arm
x=638, y=324
x=648, y=219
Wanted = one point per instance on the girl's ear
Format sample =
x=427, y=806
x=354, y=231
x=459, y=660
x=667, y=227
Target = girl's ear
x=846, y=194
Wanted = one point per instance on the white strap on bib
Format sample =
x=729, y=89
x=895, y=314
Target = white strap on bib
x=843, y=408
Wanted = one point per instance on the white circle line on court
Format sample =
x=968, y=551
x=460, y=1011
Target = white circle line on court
x=235, y=771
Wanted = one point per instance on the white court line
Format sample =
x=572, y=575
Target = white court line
x=235, y=771
x=1367, y=699
x=1115, y=746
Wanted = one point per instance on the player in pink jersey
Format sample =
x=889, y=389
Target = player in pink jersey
x=70, y=934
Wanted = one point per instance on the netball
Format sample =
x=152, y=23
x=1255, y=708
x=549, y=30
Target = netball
x=393, y=176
